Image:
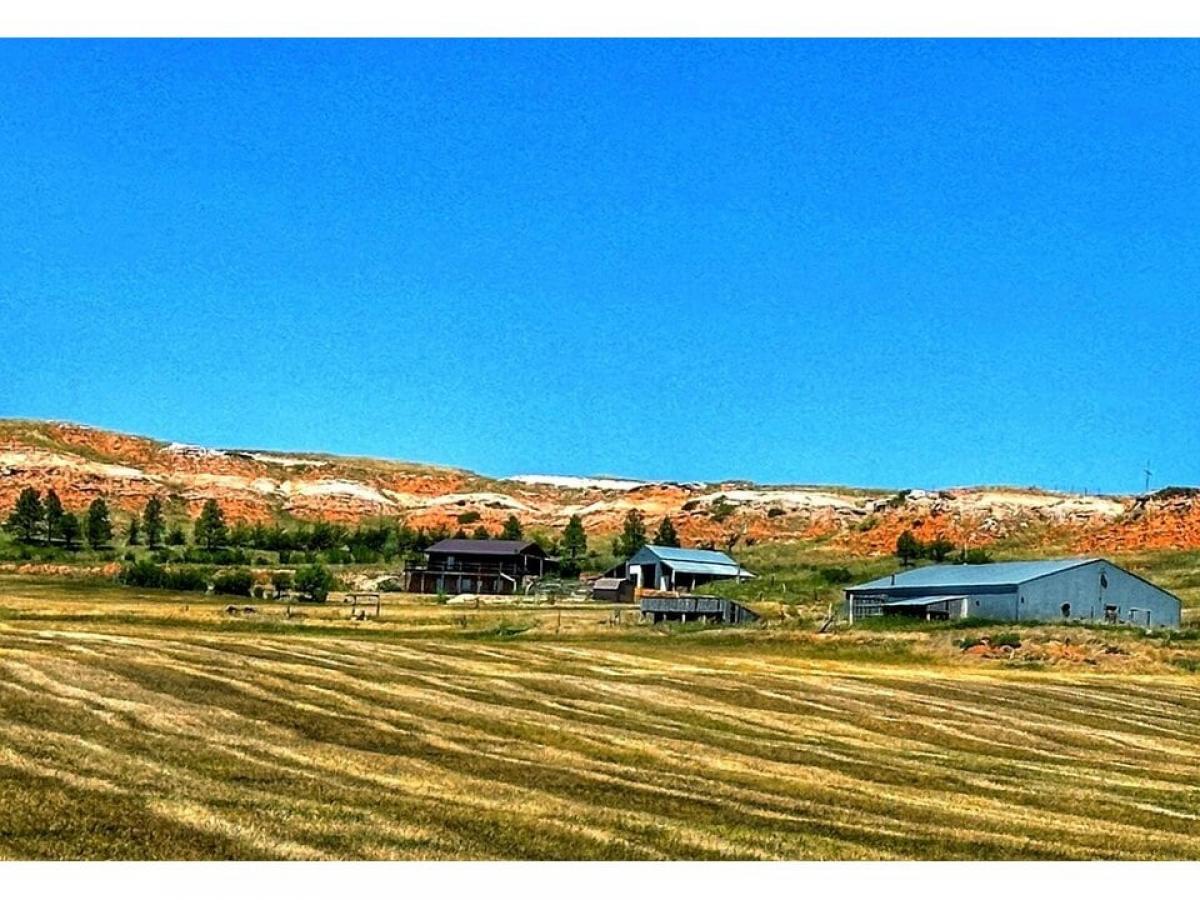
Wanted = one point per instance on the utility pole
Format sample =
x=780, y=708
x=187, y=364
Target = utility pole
x=1146, y=471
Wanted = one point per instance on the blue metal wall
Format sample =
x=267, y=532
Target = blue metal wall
x=1089, y=588
x=1081, y=588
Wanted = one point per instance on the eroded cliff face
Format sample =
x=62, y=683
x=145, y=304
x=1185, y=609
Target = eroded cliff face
x=83, y=463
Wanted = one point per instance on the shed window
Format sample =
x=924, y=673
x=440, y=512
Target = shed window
x=1066, y=610
x=1103, y=580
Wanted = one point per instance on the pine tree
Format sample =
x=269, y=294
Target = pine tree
x=54, y=514
x=666, y=536
x=69, y=528
x=98, y=525
x=633, y=534
x=152, y=519
x=135, y=528
x=512, y=529
x=908, y=547
x=481, y=534
x=27, y=515
x=574, y=538
x=210, y=531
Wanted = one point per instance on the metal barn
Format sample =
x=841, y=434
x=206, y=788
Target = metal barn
x=1049, y=590
x=676, y=568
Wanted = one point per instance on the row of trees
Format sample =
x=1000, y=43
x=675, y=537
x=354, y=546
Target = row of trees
x=33, y=519
x=911, y=548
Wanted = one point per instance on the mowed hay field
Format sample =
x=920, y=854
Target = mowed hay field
x=148, y=726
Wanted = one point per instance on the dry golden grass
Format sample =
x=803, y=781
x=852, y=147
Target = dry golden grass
x=150, y=726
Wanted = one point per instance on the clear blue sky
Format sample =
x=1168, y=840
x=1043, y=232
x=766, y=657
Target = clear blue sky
x=879, y=263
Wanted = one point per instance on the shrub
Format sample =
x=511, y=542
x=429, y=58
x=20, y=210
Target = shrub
x=968, y=642
x=1005, y=639
x=774, y=512
x=721, y=509
x=836, y=575
x=314, y=581
x=281, y=581
x=390, y=585
x=468, y=517
x=976, y=556
x=237, y=582
x=185, y=580
x=146, y=574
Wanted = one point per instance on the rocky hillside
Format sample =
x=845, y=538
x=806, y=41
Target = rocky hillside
x=83, y=463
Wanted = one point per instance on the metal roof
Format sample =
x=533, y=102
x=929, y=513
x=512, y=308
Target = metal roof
x=686, y=554
x=692, y=562
x=469, y=547
x=986, y=575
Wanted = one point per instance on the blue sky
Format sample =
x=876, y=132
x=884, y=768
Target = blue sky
x=904, y=263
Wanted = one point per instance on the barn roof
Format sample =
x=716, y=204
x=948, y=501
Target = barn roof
x=986, y=575
x=692, y=562
x=469, y=547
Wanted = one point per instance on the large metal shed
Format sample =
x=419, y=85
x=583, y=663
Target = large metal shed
x=1046, y=590
x=678, y=568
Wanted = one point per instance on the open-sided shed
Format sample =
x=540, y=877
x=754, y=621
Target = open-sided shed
x=680, y=568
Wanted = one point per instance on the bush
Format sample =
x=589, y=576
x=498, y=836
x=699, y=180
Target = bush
x=976, y=557
x=314, y=581
x=775, y=512
x=1005, y=639
x=390, y=585
x=237, y=582
x=185, y=580
x=147, y=574
x=281, y=581
x=836, y=575
x=468, y=517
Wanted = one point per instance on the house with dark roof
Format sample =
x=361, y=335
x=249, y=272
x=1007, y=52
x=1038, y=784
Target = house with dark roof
x=679, y=568
x=461, y=566
x=1046, y=590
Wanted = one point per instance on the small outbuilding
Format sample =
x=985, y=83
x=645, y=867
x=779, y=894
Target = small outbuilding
x=612, y=590
x=678, y=568
x=1044, y=590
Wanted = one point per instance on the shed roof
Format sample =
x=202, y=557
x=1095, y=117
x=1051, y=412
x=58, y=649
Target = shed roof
x=608, y=584
x=691, y=562
x=986, y=575
x=469, y=547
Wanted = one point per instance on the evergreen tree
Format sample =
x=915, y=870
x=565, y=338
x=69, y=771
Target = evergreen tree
x=54, y=514
x=98, y=525
x=68, y=527
x=152, y=519
x=26, y=517
x=666, y=536
x=512, y=529
x=135, y=528
x=481, y=534
x=574, y=538
x=176, y=537
x=908, y=547
x=633, y=534
x=210, y=531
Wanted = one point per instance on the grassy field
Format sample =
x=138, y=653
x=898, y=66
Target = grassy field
x=143, y=725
